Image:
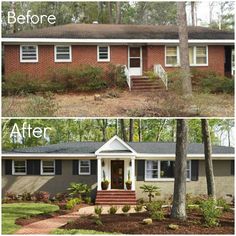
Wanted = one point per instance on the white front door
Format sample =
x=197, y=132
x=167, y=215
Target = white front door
x=135, y=60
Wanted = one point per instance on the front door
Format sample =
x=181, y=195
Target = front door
x=117, y=174
x=135, y=60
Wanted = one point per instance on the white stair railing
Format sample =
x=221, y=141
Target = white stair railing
x=128, y=78
x=160, y=72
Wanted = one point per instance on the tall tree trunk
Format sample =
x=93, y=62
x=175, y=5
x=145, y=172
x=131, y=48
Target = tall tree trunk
x=104, y=126
x=179, y=199
x=109, y=6
x=13, y=9
x=122, y=126
x=193, y=14
x=140, y=130
x=208, y=159
x=183, y=48
x=159, y=132
x=131, y=130
x=118, y=12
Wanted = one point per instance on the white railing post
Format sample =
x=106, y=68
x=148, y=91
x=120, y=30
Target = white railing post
x=128, y=79
x=160, y=72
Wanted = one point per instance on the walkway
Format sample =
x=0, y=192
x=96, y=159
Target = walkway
x=48, y=225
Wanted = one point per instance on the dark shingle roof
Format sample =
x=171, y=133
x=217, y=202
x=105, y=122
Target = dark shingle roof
x=108, y=31
x=139, y=147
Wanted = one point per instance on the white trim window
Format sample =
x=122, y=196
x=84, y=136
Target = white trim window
x=47, y=167
x=19, y=167
x=103, y=53
x=171, y=55
x=62, y=53
x=28, y=53
x=198, y=56
x=84, y=167
x=163, y=170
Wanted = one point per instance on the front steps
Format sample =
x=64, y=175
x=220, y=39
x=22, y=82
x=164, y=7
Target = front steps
x=116, y=197
x=144, y=84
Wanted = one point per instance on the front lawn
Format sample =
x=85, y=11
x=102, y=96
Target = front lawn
x=10, y=212
x=77, y=231
x=119, y=103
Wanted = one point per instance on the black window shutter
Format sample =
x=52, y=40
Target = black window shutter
x=232, y=167
x=58, y=166
x=33, y=167
x=75, y=167
x=194, y=170
x=93, y=167
x=8, y=167
x=140, y=170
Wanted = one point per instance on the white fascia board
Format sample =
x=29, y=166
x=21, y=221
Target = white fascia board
x=29, y=155
x=115, y=41
x=189, y=156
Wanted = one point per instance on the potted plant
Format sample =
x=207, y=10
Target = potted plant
x=128, y=182
x=105, y=182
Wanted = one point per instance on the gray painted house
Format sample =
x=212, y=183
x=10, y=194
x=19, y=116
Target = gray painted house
x=51, y=168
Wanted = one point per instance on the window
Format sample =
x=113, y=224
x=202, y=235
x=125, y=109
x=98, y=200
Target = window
x=47, y=167
x=157, y=170
x=103, y=53
x=19, y=167
x=29, y=53
x=151, y=170
x=172, y=55
x=62, y=53
x=198, y=56
x=201, y=55
x=84, y=167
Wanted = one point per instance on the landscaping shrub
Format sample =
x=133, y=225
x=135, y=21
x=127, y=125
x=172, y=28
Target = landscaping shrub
x=222, y=203
x=138, y=208
x=126, y=208
x=42, y=196
x=79, y=190
x=151, y=191
x=155, y=210
x=11, y=196
x=98, y=210
x=26, y=196
x=61, y=197
x=82, y=78
x=116, y=76
x=21, y=83
x=46, y=106
x=210, y=212
x=112, y=210
x=140, y=201
x=73, y=202
x=87, y=200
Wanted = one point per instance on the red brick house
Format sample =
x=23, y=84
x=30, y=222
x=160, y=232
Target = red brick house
x=139, y=47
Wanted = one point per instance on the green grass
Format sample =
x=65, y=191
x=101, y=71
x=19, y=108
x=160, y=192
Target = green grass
x=10, y=212
x=77, y=231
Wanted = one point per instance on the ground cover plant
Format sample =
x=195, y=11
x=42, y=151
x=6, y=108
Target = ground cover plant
x=10, y=212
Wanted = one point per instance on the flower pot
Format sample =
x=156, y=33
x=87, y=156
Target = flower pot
x=128, y=186
x=105, y=185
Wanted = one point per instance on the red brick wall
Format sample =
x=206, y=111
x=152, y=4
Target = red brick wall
x=80, y=55
x=88, y=55
x=156, y=55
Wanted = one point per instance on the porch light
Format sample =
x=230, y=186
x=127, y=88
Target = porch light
x=103, y=163
x=130, y=163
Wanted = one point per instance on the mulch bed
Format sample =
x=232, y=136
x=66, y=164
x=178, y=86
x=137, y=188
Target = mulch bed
x=132, y=224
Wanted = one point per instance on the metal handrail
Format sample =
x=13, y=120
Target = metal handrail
x=159, y=70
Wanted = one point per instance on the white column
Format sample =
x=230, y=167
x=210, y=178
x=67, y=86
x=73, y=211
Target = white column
x=133, y=173
x=99, y=173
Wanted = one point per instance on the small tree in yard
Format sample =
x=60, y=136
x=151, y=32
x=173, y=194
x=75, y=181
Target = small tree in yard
x=151, y=190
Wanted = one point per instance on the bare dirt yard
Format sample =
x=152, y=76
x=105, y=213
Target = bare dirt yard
x=121, y=103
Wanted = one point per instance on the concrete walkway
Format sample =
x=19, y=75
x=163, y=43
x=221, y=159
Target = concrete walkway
x=48, y=225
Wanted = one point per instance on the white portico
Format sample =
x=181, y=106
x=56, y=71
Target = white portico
x=115, y=163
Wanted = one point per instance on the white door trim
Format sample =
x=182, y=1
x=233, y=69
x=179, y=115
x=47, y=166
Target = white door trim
x=136, y=71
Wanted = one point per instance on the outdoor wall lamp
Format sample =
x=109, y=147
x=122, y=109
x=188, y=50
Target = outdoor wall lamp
x=103, y=163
